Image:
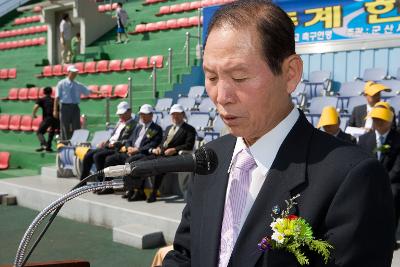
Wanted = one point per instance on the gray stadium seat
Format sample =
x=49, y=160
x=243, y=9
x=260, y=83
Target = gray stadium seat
x=187, y=102
x=206, y=105
x=318, y=83
x=317, y=104
x=392, y=84
x=374, y=74
x=163, y=104
x=355, y=101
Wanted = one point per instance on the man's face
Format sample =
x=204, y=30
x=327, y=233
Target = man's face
x=372, y=100
x=177, y=117
x=125, y=116
x=249, y=97
x=381, y=126
x=146, y=118
x=72, y=75
x=331, y=129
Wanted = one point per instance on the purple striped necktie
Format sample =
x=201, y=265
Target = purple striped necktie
x=235, y=204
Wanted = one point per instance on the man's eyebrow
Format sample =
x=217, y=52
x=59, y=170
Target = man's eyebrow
x=228, y=69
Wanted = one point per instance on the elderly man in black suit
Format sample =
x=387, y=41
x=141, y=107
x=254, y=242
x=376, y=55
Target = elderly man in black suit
x=146, y=136
x=179, y=136
x=372, y=92
x=330, y=123
x=273, y=154
x=384, y=144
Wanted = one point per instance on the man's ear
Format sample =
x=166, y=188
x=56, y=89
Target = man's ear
x=292, y=70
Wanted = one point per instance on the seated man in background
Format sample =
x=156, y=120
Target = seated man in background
x=330, y=123
x=46, y=104
x=384, y=144
x=372, y=92
x=179, y=136
x=121, y=133
x=146, y=136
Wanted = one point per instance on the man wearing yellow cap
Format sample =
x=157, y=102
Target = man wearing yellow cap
x=372, y=92
x=384, y=143
x=330, y=123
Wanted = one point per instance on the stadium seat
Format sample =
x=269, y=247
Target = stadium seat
x=15, y=122
x=349, y=89
x=218, y=124
x=114, y=6
x=161, y=25
x=90, y=67
x=4, y=121
x=195, y=5
x=47, y=71
x=128, y=64
x=395, y=103
x=374, y=74
x=92, y=95
x=80, y=66
x=172, y=24
x=26, y=123
x=187, y=102
x=20, y=43
x=183, y=23
x=206, y=105
x=107, y=7
x=12, y=94
x=185, y=6
x=398, y=73
x=353, y=102
x=28, y=42
x=36, y=123
x=121, y=91
x=196, y=92
x=65, y=68
x=53, y=91
x=4, y=160
x=193, y=21
x=151, y=27
x=344, y=122
x=175, y=8
x=58, y=70
x=206, y=3
x=318, y=103
x=19, y=21
x=3, y=73
x=115, y=65
x=141, y=63
x=140, y=28
x=163, y=104
x=199, y=121
x=392, y=84
x=101, y=8
x=37, y=9
x=23, y=94
x=106, y=90
x=159, y=61
x=102, y=66
x=12, y=73
x=42, y=41
x=163, y=10
x=318, y=83
x=33, y=93
x=41, y=92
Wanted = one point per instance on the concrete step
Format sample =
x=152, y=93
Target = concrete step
x=138, y=236
x=49, y=171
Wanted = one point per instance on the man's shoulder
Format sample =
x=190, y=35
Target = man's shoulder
x=188, y=127
x=360, y=108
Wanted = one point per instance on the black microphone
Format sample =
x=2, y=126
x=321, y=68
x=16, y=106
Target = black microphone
x=203, y=161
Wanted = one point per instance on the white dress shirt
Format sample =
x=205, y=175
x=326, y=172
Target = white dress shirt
x=264, y=152
x=117, y=132
x=141, y=134
x=368, y=121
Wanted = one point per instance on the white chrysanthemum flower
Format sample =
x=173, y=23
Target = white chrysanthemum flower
x=278, y=237
x=273, y=224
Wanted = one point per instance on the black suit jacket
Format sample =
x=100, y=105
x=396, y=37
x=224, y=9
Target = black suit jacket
x=391, y=159
x=151, y=139
x=346, y=137
x=359, y=113
x=125, y=133
x=183, y=139
x=345, y=196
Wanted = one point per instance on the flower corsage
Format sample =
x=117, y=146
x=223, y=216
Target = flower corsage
x=383, y=149
x=293, y=233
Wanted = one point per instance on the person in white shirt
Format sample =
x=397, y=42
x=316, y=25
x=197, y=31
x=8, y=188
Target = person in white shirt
x=65, y=39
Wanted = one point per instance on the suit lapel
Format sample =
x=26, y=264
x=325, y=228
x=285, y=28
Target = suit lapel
x=213, y=205
x=287, y=172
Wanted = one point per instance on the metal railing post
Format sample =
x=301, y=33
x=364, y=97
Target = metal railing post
x=170, y=51
x=154, y=80
x=130, y=89
x=199, y=41
x=187, y=49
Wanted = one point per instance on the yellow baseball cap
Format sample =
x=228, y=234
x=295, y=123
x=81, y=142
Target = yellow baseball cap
x=329, y=116
x=381, y=112
x=372, y=88
x=382, y=104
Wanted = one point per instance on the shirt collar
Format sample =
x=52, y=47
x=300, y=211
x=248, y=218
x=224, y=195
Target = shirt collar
x=384, y=135
x=265, y=149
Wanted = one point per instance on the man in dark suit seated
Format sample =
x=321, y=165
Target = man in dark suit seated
x=145, y=137
x=121, y=133
x=330, y=123
x=272, y=155
x=384, y=144
x=179, y=136
x=372, y=92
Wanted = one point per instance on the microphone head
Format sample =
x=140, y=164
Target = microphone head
x=206, y=161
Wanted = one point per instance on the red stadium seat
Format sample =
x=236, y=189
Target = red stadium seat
x=20, y=43
x=102, y=66
x=36, y=122
x=12, y=73
x=57, y=70
x=106, y=90
x=47, y=71
x=12, y=94
x=141, y=63
x=163, y=10
x=107, y=7
x=140, y=28
x=4, y=160
x=4, y=121
x=151, y=27
x=41, y=92
x=31, y=30
x=175, y=8
x=161, y=25
x=115, y=65
x=90, y=67
x=159, y=60
x=24, y=31
x=205, y=3
x=36, y=18
x=15, y=122
x=35, y=41
x=18, y=21
x=185, y=6
x=101, y=8
x=195, y=5
x=23, y=94
x=37, y=9
x=26, y=123
x=194, y=21
x=29, y=19
x=3, y=73
x=121, y=91
x=172, y=24
x=80, y=66
x=128, y=64
x=92, y=95
x=114, y=6
x=28, y=42
x=33, y=93
x=43, y=28
x=14, y=44
x=183, y=23
x=65, y=68
x=42, y=41
x=2, y=46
